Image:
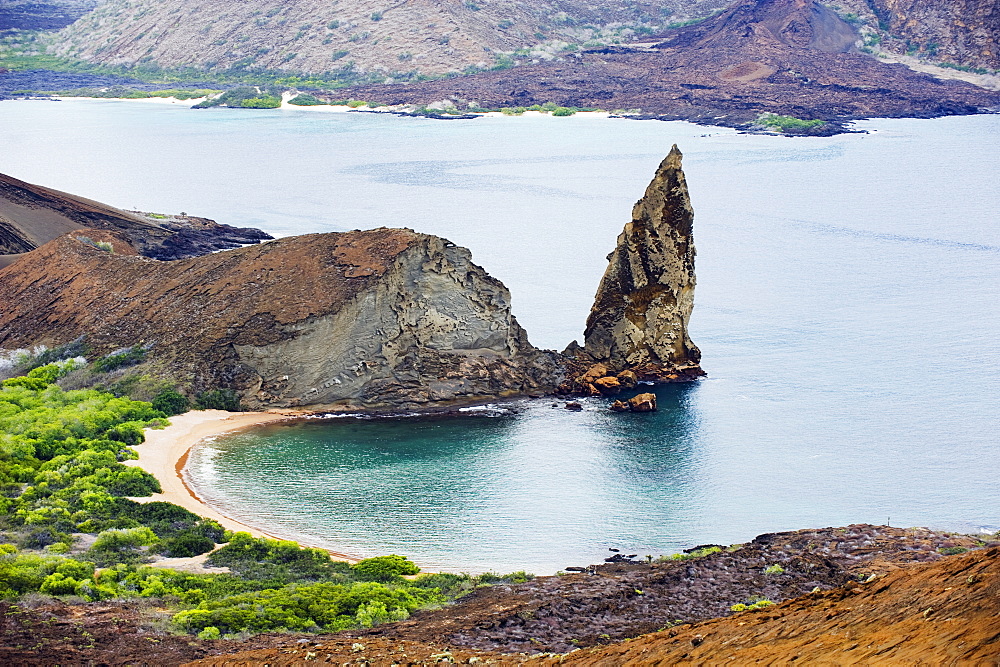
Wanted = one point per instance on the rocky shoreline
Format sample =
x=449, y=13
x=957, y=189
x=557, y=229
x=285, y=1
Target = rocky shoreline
x=847, y=573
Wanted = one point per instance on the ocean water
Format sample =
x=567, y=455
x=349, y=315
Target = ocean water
x=847, y=310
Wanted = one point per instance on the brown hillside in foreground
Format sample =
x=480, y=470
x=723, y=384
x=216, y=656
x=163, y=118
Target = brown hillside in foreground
x=944, y=613
x=844, y=626
x=883, y=621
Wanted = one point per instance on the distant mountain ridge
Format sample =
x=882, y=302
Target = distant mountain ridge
x=427, y=36
x=790, y=57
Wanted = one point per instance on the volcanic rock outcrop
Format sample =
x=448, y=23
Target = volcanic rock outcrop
x=32, y=215
x=644, y=302
x=963, y=32
x=637, y=328
x=369, y=319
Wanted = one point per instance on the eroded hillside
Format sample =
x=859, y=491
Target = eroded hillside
x=426, y=36
x=965, y=33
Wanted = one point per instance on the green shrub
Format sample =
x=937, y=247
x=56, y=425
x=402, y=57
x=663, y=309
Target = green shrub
x=265, y=102
x=754, y=605
x=513, y=111
x=774, y=569
x=789, y=124
x=281, y=561
x=384, y=568
x=129, y=356
x=186, y=545
x=170, y=402
x=305, y=100
x=952, y=551
x=121, y=545
x=218, y=399
x=563, y=111
x=697, y=553
x=35, y=384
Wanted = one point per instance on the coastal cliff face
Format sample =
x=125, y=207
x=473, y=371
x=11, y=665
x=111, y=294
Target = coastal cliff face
x=373, y=319
x=640, y=315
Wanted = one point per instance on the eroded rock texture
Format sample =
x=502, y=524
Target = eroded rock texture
x=643, y=305
x=372, y=319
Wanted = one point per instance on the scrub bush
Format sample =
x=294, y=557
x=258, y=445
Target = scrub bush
x=384, y=568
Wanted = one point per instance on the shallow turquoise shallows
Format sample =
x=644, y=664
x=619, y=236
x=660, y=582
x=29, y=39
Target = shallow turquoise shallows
x=848, y=306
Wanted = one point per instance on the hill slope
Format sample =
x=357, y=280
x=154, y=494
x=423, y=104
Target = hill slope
x=32, y=215
x=792, y=57
x=428, y=36
x=961, y=32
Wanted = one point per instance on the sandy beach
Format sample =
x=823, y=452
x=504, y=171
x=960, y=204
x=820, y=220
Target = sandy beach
x=165, y=452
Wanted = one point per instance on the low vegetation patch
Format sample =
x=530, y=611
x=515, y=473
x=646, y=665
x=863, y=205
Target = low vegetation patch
x=789, y=124
x=306, y=100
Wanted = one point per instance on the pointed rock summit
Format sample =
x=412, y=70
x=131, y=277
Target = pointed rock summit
x=640, y=315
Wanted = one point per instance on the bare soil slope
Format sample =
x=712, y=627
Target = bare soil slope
x=936, y=614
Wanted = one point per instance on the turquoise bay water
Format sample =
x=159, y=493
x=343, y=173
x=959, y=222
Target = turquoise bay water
x=847, y=310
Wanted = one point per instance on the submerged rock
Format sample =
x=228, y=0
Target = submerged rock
x=643, y=403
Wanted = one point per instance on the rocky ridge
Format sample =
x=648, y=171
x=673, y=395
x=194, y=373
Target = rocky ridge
x=32, y=215
x=316, y=36
x=960, y=32
x=788, y=57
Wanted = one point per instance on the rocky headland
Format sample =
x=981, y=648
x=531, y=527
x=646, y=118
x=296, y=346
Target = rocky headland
x=378, y=318
x=383, y=319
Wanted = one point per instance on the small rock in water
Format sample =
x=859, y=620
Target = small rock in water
x=619, y=406
x=643, y=403
x=575, y=407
